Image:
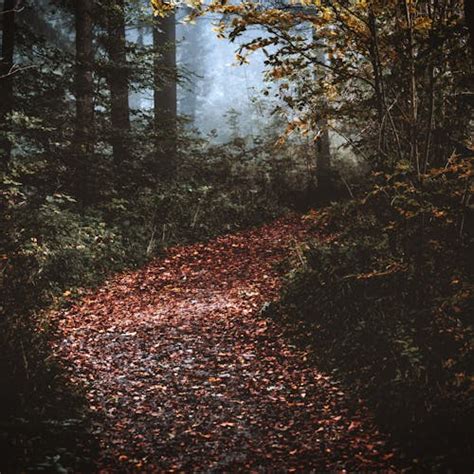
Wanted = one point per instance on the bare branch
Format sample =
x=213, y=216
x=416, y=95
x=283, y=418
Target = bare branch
x=17, y=9
x=15, y=69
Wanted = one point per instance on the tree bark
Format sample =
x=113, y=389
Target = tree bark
x=165, y=94
x=84, y=136
x=469, y=17
x=413, y=96
x=378, y=78
x=6, y=78
x=323, y=148
x=118, y=80
x=432, y=89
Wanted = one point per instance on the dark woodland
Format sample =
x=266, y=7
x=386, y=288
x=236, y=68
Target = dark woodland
x=236, y=236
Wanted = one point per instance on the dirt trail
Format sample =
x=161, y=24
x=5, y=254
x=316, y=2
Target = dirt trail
x=185, y=374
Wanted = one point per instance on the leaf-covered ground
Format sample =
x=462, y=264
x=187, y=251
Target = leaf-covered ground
x=185, y=373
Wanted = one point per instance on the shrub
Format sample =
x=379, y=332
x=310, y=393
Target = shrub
x=387, y=301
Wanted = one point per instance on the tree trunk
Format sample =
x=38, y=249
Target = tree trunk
x=413, y=96
x=323, y=149
x=431, y=90
x=6, y=79
x=118, y=79
x=165, y=96
x=378, y=79
x=84, y=137
x=83, y=143
x=469, y=17
x=323, y=163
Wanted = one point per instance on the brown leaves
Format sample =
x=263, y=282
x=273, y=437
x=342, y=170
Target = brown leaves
x=184, y=373
x=353, y=426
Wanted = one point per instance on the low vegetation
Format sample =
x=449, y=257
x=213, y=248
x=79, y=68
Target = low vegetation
x=369, y=135
x=385, y=302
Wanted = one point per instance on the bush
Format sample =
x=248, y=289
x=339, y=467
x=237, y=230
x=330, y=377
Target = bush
x=52, y=243
x=387, y=301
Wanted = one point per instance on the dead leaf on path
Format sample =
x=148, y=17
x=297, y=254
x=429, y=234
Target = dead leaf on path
x=169, y=354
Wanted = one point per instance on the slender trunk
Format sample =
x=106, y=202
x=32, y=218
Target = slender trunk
x=323, y=151
x=323, y=162
x=430, y=124
x=378, y=77
x=165, y=95
x=6, y=79
x=83, y=143
x=413, y=97
x=432, y=84
x=118, y=80
x=469, y=17
x=84, y=137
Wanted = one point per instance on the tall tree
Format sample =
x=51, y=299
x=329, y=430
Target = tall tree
x=84, y=77
x=118, y=77
x=469, y=16
x=165, y=95
x=323, y=162
x=6, y=79
x=323, y=145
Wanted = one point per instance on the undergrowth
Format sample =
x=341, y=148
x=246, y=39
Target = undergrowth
x=54, y=245
x=386, y=304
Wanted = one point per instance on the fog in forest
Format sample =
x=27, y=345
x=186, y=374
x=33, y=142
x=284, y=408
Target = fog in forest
x=236, y=236
x=217, y=96
x=223, y=89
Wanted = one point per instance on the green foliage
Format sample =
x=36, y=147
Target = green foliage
x=70, y=217
x=387, y=300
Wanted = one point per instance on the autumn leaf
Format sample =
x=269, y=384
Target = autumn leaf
x=173, y=354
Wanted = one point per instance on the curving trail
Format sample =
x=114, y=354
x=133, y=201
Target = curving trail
x=185, y=374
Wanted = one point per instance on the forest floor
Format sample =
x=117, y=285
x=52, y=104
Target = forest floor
x=184, y=372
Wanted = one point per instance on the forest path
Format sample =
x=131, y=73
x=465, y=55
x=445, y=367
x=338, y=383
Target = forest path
x=185, y=374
